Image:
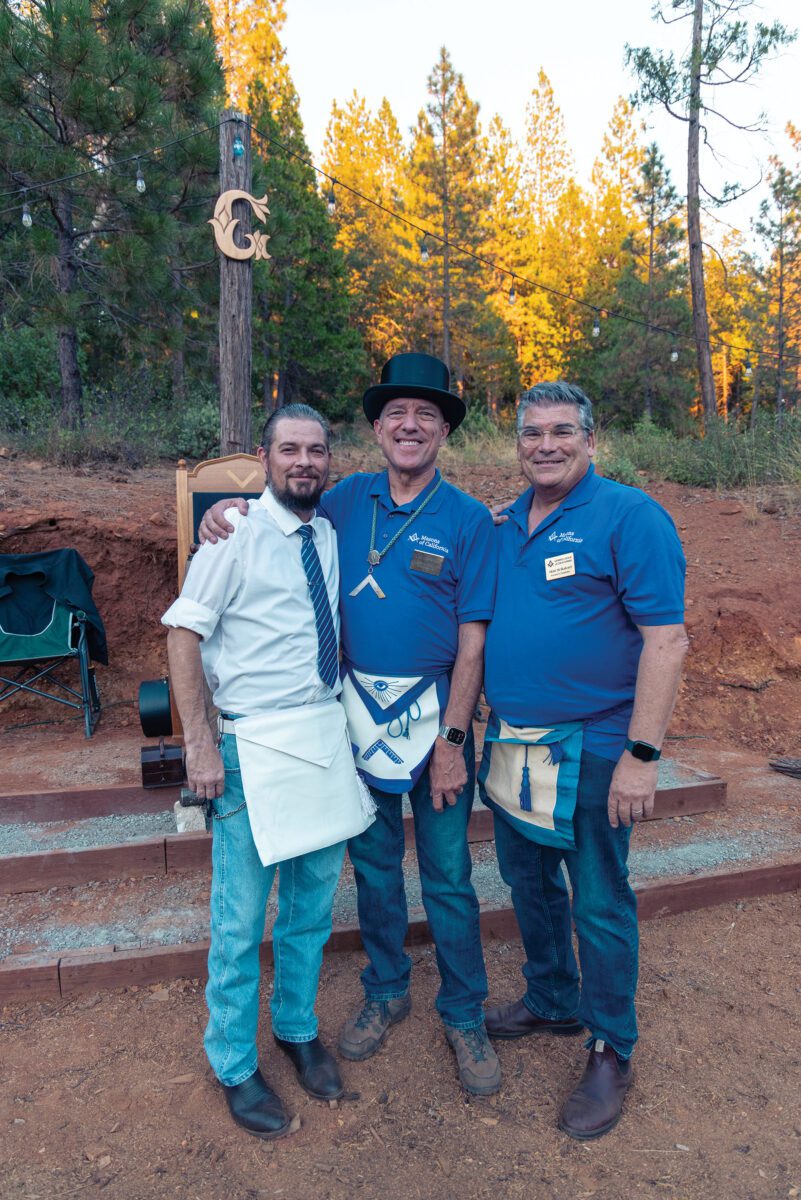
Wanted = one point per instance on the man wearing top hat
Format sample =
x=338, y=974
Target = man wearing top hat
x=417, y=565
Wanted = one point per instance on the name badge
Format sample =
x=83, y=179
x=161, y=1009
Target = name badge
x=560, y=566
x=429, y=564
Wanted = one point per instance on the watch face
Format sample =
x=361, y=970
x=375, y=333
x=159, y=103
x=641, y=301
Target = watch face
x=643, y=751
x=455, y=736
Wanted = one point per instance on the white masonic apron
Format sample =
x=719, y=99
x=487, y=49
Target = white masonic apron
x=301, y=786
x=393, y=722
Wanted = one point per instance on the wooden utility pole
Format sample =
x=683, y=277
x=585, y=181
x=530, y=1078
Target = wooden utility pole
x=236, y=293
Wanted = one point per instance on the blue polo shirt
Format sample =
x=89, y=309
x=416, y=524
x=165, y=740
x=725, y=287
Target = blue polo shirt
x=566, y=648
x=437, y=576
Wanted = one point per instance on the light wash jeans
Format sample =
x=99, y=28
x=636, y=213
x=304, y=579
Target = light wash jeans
x=240, y=886
x=443, y=858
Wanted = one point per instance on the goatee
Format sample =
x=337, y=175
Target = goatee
x=295, y=503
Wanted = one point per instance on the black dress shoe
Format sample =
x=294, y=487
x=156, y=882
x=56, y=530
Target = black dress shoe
x=517, y=1020
x=316, y=1069
x=594, y=1107
x=256, y=1108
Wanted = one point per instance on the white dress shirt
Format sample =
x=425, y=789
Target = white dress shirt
x=248, y=598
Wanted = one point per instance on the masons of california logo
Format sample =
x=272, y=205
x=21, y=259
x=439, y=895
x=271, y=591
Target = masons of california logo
x=566, y=536
x=428, y=543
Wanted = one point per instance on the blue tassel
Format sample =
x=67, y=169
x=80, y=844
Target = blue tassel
x=525, y=790
x=555, y=754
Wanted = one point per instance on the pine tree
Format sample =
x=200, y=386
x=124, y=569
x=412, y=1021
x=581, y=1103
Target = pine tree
x=722, y=52
x=248, y=39
x=633, y=369
x=305, y=345
x=553, y=249
x=779, y=227
x=85, y=85
x=505, y=245
x=365, y=152
x=449, y=196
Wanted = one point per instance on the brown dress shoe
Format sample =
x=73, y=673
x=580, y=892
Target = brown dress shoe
x=594, y=1107
x=517, y=1020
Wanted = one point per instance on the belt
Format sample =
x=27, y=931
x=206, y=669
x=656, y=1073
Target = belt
x=226, y=725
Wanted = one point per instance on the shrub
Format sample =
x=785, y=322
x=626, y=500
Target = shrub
x=724, y=457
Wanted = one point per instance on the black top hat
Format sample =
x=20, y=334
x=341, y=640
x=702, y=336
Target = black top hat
x=421, y=377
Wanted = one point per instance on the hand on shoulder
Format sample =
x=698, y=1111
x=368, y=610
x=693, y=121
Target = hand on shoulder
x=214, y=524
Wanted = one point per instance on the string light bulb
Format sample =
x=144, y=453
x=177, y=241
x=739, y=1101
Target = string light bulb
x=27, y=219
x=512, y=294
x=141, y=186
x=596, y=326
x=331, y=202
x=674, y=353
x=425, y=253
x=238, y=148
x=748, y=367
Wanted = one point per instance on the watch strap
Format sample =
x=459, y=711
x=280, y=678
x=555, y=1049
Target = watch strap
x=644, y=751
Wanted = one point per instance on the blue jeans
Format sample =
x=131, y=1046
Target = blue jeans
x=448, y=898
x=604, y=911
x=240, y=886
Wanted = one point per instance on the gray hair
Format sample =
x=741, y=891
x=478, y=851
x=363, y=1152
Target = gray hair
x=547, y=395
x=292, y=412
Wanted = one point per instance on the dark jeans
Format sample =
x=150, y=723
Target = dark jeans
x=604, y=912
x=448, y=897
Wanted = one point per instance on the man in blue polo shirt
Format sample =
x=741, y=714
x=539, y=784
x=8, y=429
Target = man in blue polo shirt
x=583, y=659
x=417, y=569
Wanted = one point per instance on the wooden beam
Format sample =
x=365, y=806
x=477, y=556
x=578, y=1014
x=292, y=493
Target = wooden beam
x=26, y=977
x=79, y=803
x=674, y=896
x=42, y=976
x=69, y=868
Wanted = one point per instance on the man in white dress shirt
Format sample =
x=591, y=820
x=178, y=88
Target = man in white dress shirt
x=261, y=620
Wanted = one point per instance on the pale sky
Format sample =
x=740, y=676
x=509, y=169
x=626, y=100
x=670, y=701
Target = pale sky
x=380, y=48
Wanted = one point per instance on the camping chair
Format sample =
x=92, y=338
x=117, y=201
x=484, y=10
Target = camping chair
x=31, y=659
x=204, y=485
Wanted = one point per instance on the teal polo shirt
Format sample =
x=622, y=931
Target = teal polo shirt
x=563, y=644
x=439, y=575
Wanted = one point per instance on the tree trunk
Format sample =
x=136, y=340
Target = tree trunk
x=446, y=252
x=67, y=336
x=177, y=364
x=649, y=387
x=780, y=323
x=755, y=395
x=280, y=391
x=700, y=317
x=236, y=294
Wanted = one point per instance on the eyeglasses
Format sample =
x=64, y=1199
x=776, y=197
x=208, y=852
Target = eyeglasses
x=530, y=435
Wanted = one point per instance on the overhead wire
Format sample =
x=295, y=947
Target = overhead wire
x=514, y=276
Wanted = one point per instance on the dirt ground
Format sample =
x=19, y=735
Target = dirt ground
x=111, y=1094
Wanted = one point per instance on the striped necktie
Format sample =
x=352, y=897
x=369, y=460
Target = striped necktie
x=327, y=650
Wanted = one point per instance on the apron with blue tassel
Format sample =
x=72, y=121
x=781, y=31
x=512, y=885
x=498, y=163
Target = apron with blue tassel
x=393, y=721
x=529, y=776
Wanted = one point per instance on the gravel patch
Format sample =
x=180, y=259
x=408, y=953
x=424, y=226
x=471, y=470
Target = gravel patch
x=37, y=837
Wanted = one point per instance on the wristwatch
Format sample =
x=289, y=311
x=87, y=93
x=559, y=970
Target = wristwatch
x=452, y=734
x=643, y=750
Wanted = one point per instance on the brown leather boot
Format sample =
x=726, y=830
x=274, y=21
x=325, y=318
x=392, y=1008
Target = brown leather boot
x=517, y=1020
x=594, y=1107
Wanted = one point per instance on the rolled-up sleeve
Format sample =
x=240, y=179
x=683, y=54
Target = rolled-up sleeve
x=213, y=578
